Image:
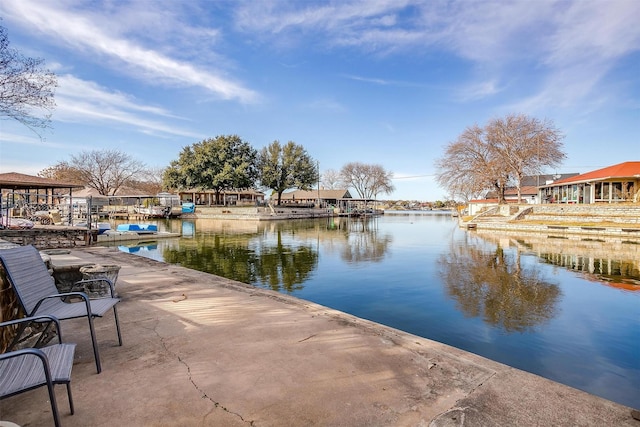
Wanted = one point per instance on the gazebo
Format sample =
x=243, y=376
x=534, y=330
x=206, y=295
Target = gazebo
x=22, y=194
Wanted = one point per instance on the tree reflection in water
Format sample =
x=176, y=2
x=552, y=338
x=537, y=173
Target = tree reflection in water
x=363, y=242
x=240, y=257
x=494, y=285
x=281, y=255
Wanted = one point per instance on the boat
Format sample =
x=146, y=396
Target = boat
x=138, y=228
x=154, y=211
x=163, y=205
x=102, y=227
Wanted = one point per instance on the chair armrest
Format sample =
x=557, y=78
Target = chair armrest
x=82, y=295
x=112, y=288
x=24, y=351
x=44, y=360
x=41, y=318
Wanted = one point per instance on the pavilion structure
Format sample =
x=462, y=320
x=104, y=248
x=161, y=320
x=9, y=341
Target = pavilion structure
x=25, y=195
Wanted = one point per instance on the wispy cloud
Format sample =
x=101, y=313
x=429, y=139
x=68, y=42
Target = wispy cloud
x=387, y=82
x=27, y=139
x=479, y=90
x=552, y=38
x=81, y=30
x=81, y=101
x=326, y=105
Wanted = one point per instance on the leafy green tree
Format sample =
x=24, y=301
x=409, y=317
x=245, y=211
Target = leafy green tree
x=283, y=167
x=225, y=162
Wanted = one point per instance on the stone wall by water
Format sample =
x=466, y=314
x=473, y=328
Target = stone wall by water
x=50, y=237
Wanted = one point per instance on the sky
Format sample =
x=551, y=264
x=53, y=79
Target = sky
x=386, y=82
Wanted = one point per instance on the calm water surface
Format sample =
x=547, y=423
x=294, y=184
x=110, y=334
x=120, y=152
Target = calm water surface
x=565, y=309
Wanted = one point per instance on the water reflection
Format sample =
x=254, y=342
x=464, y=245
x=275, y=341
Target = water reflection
x=363, y=241
x=279, y=265
x=277, y=255
x=609, y=261
x=496, y=286
x=531, y=301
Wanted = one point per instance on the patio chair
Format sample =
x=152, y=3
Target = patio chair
x=38, y=294
x=30, y=368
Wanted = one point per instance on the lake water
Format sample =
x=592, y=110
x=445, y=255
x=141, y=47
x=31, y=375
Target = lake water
x=565, y=309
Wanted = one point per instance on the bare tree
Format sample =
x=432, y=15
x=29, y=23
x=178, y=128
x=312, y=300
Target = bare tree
x=331, y=180
x=26, y=88
x=367, y=180
x=469, y=166
x=148, y=181
x=62, y=171
x=525, y=144
x=107, y=171
x=499, y=154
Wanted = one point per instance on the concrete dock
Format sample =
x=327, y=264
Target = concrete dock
x=201, y=350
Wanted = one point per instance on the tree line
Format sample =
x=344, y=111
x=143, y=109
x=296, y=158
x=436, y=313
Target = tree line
x=223, y=163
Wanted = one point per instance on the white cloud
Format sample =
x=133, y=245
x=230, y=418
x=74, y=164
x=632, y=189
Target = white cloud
x=553, y=39
x=81, y=101
x=327, y=105
x=86, y=31
x=479, y=90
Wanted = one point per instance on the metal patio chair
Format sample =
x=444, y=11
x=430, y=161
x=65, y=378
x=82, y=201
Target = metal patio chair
x=37, y=293
x=29, y=368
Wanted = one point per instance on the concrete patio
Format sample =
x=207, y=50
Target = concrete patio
x=201, y=350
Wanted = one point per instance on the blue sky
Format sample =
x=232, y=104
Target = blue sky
x=387, y=82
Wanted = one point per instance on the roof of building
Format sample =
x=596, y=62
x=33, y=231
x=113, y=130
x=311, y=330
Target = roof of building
x=20, y=181
x=525, y=190
x=621, y=170
x=315, y=194
x=542, y=179
x=209, y=191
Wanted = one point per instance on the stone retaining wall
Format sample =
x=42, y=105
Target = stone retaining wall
x=605, y=210
x=256, y=213
x=561, y=230
x=50, y=237
x=509, y=219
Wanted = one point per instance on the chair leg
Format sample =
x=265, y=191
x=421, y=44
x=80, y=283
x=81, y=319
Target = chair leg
x=71, y=408
x=115, y=315
x=94, y=341
x=52, y=399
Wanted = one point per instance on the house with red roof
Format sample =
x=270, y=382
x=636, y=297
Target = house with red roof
x=613, y=184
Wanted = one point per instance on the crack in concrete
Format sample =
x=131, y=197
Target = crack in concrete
x=308, y=338
x=192, y=381
x=493, y=374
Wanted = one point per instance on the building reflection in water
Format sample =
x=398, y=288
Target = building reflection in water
x=610, y=261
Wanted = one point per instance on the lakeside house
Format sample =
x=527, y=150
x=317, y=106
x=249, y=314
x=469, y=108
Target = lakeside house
x=612, y=184
x=243, y=197
x=325, y=198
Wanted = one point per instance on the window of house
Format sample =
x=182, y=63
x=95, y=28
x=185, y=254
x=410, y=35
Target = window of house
x=629, y=190
x=616, y=188
x=605, y=190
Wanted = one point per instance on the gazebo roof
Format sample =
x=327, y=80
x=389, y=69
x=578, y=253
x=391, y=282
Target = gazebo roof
x=20, y=181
